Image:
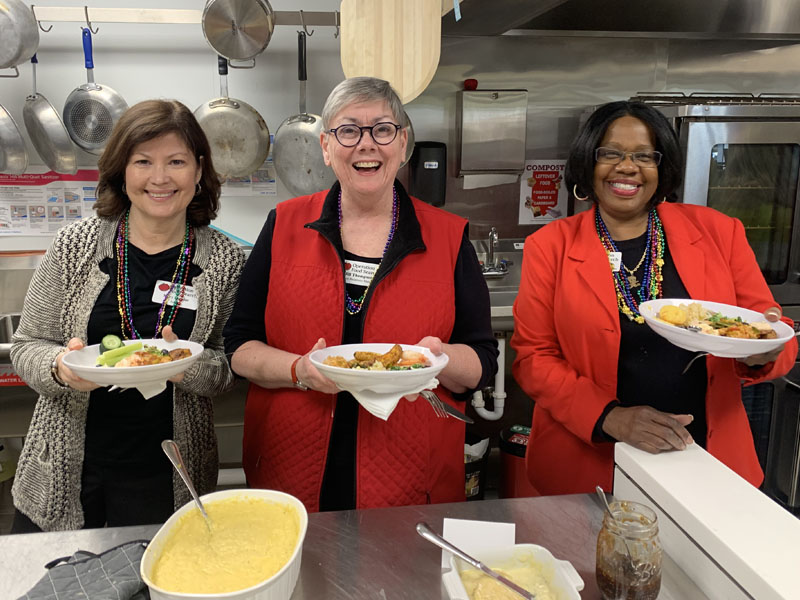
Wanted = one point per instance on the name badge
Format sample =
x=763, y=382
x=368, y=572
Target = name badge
x=615, y=260
x=189, y=296
x=359, y=273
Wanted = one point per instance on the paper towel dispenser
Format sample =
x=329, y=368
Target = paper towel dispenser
x=491, y=127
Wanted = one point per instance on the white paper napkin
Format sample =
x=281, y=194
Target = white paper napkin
x=149, y=389
x=383, y=404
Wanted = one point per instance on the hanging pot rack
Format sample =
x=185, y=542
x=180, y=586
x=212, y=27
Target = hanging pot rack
x=169, y=16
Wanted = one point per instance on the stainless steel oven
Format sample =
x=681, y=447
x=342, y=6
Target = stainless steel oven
x=742, y=156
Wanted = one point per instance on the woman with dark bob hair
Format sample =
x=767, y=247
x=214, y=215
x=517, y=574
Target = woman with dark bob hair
x=596, y=372
x=146, y=266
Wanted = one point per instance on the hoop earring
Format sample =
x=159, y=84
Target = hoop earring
x=575, y=193
x=198, y=189
x=124, y=191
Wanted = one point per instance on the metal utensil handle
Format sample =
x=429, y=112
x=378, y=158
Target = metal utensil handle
x=34, y=62
x=437, y=540
x=170, y=448
x=222, y=68
x=87, y=53
x=301, y=68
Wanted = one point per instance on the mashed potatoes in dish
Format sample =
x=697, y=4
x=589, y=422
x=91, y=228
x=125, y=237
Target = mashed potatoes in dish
x=527, y=574
x=250, y=540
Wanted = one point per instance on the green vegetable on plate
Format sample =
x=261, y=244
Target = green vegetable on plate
x=112, y=357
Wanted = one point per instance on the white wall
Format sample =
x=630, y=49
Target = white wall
x=174, y=61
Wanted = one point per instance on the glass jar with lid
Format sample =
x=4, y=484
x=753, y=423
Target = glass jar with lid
x=629, y=553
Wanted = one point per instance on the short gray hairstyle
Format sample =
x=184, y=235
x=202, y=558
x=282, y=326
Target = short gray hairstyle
x=362, y=89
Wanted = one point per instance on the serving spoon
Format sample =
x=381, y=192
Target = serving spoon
x=641, y=570
x=170, y=448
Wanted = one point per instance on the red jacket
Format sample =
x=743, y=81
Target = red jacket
x=567, y=337
x=413, y=458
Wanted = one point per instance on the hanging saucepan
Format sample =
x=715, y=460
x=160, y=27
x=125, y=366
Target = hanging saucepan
x=411, y=139
x=19, y=34
x=297, y=154
x=91, y=110
x=238, y=136
x=13, y=155
x=47, y=131
x=238, y=29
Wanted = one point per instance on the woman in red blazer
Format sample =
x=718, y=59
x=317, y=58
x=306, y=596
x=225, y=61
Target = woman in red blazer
x=596, y=372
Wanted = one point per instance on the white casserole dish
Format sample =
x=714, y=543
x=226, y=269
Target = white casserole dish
x=278, y=587
x=562, y=577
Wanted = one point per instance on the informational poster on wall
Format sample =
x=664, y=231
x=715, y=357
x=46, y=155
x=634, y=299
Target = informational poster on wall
x=40, y=203
x=542, y=195
x=261, y=183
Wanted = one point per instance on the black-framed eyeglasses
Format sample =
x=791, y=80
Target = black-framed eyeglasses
x=612, y=156
x=382, y=133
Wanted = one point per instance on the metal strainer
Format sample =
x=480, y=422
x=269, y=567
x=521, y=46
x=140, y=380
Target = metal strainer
x=91, y=110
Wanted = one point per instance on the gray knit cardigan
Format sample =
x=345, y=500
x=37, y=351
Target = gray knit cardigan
x=57, y=306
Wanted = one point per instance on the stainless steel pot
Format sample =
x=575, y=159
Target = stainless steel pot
x=297, y=154
x=238, y=136
x=19, y=33
x=47, y=131
x=92, y=110
x=238, y=29
x=13, y=154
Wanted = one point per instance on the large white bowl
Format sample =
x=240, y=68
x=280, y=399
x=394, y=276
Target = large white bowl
x=562, y=576
x=384, y=382
x=717, y=345
x=83, y=363
x=278, y=587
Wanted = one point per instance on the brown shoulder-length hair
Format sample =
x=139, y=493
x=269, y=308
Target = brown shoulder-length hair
x=141, y=123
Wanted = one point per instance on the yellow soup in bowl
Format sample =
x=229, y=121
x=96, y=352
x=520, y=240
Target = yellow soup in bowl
x=250, y=540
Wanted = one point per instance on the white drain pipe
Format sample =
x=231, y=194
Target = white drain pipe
x=499, y=393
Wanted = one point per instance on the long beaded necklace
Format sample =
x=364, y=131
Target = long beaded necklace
x=353, y=307
x=627, y=301
x=176, y=290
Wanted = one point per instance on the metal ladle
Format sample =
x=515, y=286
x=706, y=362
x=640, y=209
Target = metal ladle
x=641, y=570
x=170, y=448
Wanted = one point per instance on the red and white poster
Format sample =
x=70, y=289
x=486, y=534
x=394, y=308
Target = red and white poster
x=542, y=196
x=41, y=203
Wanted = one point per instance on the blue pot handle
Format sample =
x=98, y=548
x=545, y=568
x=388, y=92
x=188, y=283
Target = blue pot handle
x=87, y=47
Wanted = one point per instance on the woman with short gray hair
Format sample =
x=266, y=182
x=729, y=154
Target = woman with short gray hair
x=361, y=262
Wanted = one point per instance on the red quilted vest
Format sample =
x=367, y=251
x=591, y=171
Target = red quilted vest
x=414, y=457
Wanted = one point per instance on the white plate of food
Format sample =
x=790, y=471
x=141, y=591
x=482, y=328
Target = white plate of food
x=412, y=368
x=702, y=326
x=141, y=362
x=528, y=565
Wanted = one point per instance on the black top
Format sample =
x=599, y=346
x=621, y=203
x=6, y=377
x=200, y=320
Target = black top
x=472, y=324
x=122, y=428
x=650, y=368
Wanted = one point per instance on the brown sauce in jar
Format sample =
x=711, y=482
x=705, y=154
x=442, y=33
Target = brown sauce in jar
x=622, y=584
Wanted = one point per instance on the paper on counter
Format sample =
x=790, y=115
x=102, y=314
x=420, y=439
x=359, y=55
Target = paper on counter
x=474, y=536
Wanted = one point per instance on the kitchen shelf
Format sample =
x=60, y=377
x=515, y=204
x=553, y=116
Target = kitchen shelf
x=79, y=14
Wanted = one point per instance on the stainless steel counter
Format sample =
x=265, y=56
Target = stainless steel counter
x=373, y=554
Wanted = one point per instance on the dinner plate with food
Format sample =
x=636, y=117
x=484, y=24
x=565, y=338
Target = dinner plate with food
x=719, y=329
x=132, y=363
x=382, y=368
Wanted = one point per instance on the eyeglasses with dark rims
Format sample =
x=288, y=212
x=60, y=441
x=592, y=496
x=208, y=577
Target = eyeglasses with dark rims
x=612, y=156
x=350, y=135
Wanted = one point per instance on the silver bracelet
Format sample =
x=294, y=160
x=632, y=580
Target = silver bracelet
x=54, y=374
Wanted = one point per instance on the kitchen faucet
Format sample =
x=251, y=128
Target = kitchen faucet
x=491, y=261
